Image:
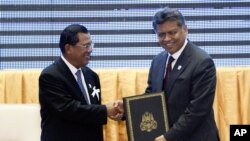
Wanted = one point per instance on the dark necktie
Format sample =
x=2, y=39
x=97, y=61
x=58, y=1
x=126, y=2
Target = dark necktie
x=79, y=81
x=168, y=70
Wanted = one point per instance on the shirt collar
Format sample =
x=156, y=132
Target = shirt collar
x=70, y=66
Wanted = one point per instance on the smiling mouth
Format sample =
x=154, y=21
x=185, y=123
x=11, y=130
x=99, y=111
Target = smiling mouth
x=88, y=56
x=170, y=44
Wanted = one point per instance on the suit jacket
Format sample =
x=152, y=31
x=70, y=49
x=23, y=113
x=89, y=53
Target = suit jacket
x=64, y=111
x=189, y=95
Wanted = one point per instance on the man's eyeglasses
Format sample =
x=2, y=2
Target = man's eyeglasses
x=87, y=46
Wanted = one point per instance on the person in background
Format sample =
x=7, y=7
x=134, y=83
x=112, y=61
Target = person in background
x=70, y=93
x=188, y=80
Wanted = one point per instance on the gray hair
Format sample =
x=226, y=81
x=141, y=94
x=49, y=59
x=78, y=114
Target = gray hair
x=168, y=14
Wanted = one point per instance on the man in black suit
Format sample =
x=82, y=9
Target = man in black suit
x=69, y=92
x=190, y=83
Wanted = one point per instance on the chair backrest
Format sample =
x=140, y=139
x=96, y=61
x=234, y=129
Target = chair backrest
x=20, y=122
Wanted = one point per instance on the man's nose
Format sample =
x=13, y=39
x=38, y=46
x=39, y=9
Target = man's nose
x=90, y=50
x=167, y=37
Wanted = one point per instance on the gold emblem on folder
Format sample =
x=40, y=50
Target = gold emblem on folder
x=148, y=123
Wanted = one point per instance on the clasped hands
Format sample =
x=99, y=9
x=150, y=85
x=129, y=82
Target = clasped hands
x=115, y=110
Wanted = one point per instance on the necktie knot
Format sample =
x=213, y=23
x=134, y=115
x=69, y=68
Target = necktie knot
x=168, y=70
x=78, y=74
x=170, y=59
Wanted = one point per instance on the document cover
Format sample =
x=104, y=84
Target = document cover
x=146, y=116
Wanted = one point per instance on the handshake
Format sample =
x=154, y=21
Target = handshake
x=115, y=110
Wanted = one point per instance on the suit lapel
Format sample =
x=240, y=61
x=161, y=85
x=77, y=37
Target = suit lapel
x=179, y=67
x=91, y=88
x=161, y=71
x=71, y=79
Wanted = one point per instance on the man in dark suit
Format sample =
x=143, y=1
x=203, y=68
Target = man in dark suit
x=69, y=92
x=189, y=84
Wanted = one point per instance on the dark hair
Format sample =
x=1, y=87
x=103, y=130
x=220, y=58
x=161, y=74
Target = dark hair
x=70, y=35
x=168, y=14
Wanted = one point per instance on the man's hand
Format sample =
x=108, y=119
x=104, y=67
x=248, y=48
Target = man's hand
x=160, y=138
x=119, y=106
x=115, y=110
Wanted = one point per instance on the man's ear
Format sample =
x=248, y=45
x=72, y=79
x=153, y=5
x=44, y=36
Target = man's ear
x=185, y=29
x=67, y=48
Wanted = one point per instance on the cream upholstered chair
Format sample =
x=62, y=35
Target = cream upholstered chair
x=19, y=122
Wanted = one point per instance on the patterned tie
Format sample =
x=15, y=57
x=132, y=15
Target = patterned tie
x=79, y=81
x=168, y=70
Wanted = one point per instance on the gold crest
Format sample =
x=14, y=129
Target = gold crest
x=148, y=123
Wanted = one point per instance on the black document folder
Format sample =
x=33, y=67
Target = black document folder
x=146, y=116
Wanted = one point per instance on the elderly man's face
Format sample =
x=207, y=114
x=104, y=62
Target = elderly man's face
x=79, y=54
